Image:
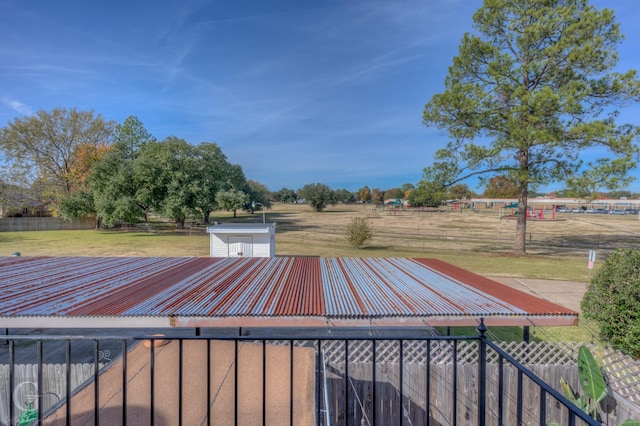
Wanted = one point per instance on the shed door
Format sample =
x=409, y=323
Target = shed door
x=241, y=246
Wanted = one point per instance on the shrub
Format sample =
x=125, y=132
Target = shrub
x=613, y=300
x=358, y=231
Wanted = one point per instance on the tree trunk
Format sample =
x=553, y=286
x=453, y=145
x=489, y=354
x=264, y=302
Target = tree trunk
x=521, y=220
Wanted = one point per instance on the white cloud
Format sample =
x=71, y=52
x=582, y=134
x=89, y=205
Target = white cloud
x=17, y=106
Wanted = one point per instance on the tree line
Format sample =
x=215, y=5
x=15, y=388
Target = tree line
x=427, y=194
x=80, y=164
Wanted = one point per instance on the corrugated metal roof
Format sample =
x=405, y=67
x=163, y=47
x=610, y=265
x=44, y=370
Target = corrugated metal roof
x=285, y=291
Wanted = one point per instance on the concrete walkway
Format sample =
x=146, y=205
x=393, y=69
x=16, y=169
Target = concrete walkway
x=565, y=293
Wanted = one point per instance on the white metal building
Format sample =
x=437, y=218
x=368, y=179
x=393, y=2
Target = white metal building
x=242, y=240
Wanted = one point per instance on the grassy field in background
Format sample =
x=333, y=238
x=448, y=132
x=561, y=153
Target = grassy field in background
x=117, y=243
x=303, y=232
x=480, y=242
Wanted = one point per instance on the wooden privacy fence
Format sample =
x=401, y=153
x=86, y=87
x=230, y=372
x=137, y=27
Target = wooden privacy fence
x=436, y=390
x=18, y=224
x=25, y=389
x=446, y=380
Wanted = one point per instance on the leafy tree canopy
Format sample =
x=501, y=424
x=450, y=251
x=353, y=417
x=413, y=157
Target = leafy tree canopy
x=167, y=174
x=428, y=194
x=613, y=300
x=501, y=187
x=364, y=194
x=46, y=146
x=318, y=195
x=460, y=191
x=345, y=196
x=213, y=173
x=118, y=194
x=394, y=193
x=285, y=195
x=408, y=187
x=259, y=195
x=529, y=93
x=232, y=200
x=172, y=178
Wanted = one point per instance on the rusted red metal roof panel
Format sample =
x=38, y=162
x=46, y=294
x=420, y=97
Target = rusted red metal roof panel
x=284, y=288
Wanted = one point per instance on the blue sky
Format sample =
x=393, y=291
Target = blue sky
x=295, y=92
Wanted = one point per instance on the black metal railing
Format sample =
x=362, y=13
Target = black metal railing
x=360, y=379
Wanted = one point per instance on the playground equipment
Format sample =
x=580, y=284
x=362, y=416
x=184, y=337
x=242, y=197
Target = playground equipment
x=532, y=213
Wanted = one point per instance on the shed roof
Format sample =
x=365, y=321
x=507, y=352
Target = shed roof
x=241, y=228
x=255, y=292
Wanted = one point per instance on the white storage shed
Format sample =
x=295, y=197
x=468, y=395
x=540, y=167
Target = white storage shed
x=242, y=240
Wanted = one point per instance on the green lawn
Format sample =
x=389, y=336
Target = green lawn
x=587, y=331
x=104, y=243
x=184, y=243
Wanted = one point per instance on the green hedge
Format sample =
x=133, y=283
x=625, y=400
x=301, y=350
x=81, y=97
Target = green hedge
x=613, y=300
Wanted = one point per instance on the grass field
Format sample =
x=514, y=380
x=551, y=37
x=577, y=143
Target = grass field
x=477, y=241
x=480, y=242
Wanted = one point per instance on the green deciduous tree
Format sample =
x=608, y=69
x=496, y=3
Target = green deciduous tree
x=408, y=189
x=77, y=204
x=117, y=192
x=285, y=195
x=232, y=200
x=428, y=194
x=171, y=178
x=213, y=173
x=318, y=195
x=345, y=196
x=393, y=193
x=613, y=299
x=258, y=194
x=529, y=94
x=167, y=173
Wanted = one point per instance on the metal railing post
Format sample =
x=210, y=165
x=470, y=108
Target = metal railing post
x=374, y=386
x=482, y=372
x=455, y=383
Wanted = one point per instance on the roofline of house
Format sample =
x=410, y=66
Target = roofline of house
x=282, y=321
